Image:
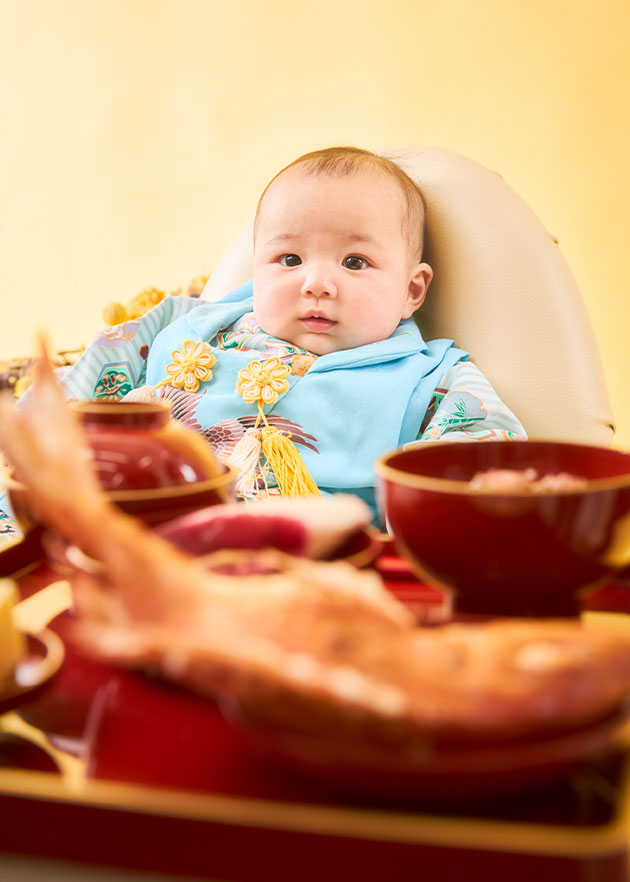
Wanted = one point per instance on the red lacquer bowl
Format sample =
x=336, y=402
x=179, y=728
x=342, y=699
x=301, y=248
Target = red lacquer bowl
x=149, y=465
x=136, y=446
x=509, y=553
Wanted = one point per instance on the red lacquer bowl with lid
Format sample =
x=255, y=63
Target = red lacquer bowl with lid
x=136, y=446
x=150, y=465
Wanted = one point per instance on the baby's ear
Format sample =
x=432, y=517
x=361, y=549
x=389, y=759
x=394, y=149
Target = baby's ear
x=418, y=285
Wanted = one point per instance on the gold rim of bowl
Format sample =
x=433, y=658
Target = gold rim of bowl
x=219, y=481
x=450, y=485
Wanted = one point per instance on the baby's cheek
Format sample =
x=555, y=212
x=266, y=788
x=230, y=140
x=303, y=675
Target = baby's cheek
x=268, y=317
x=259, y=308
x=374, y=324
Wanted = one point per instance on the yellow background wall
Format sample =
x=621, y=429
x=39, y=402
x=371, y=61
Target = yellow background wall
x=135, y=135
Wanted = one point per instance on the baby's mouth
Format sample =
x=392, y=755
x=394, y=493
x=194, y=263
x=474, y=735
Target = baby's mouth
x=317, y=322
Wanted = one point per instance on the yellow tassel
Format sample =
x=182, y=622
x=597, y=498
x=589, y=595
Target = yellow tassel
x=244, y=458
x=287, y=465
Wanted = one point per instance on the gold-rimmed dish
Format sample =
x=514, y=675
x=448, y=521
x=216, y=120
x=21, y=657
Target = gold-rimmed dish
x=509, y=552
x=39, y=665
x=153, y=505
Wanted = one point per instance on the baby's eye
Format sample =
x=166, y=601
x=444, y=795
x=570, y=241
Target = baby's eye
x=353, y=262
x=290, y=260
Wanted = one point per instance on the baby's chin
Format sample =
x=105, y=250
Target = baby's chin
x=316, y=343
x=324, y=345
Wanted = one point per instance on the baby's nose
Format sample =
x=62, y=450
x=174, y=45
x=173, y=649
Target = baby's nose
x=319, y=283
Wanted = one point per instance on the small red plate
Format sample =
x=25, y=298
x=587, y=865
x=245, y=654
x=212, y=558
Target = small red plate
x=362, y=548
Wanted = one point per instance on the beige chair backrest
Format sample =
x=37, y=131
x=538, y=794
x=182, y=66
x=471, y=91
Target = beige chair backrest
x=502, y=290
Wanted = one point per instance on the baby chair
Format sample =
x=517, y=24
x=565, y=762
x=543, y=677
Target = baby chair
x=501, y=289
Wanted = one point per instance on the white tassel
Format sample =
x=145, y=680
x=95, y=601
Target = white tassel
x=245, y=458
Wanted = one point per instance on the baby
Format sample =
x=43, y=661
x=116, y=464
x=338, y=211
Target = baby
x=322, y=341
x=338, y=251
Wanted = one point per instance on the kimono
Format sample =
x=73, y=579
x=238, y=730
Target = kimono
x=342, y=410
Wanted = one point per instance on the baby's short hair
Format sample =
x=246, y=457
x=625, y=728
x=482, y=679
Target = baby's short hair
x=343, y=161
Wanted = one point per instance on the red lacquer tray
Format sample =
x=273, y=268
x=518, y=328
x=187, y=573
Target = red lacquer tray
x=140, y=774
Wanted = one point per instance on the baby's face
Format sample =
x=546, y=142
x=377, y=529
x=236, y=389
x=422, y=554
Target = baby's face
x=332, y=266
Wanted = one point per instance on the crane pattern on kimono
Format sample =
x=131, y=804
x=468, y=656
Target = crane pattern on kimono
x=224, y=436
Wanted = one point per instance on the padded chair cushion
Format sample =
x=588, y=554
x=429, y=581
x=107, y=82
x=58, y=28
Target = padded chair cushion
x=501, y=289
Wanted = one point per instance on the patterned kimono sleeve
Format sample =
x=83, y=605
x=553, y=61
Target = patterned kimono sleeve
x=114, y=363
x=465, y=407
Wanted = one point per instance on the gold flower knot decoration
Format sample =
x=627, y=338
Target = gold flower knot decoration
x=191, y=365
x=263, y=381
